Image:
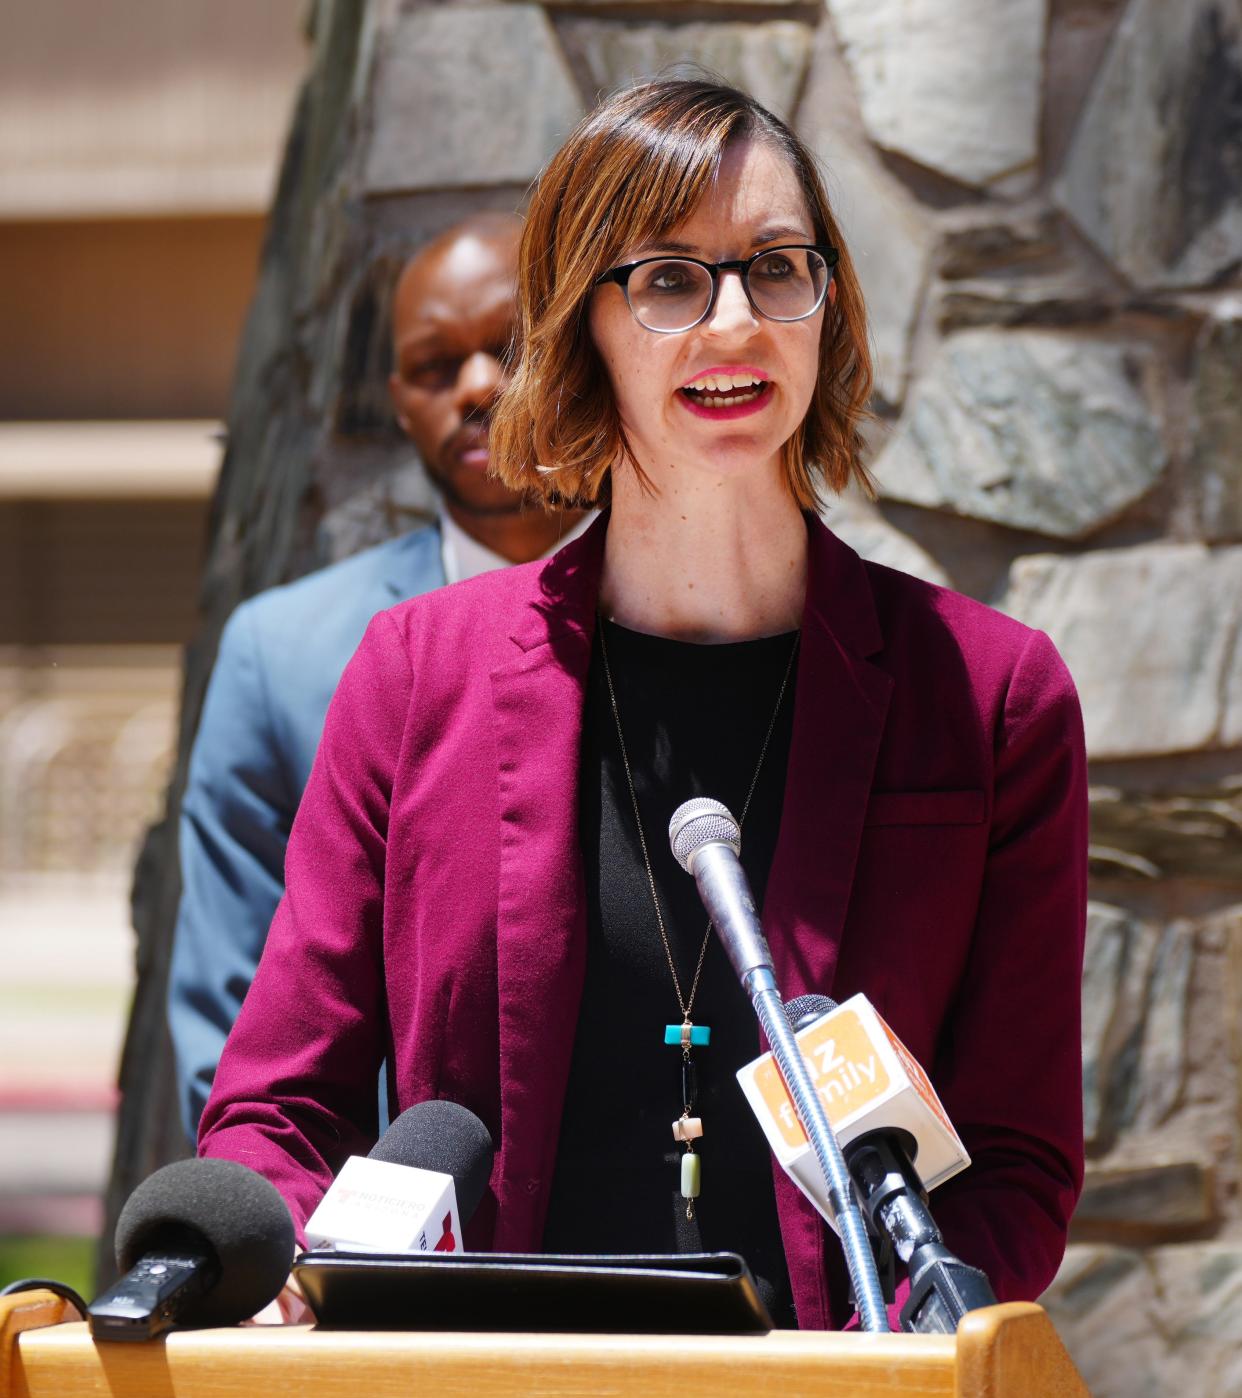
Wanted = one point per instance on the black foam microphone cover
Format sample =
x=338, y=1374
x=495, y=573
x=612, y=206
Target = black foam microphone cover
x=448, y=1138
x=234, y=1211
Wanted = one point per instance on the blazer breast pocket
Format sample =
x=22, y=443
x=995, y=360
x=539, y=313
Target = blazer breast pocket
x=925, y=808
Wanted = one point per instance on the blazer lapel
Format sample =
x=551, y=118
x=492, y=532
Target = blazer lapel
x=840, y=705
x=538, y=691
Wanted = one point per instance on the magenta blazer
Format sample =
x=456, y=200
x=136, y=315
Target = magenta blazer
x=932, y=854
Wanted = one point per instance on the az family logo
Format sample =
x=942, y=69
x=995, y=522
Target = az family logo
x=845, y=1067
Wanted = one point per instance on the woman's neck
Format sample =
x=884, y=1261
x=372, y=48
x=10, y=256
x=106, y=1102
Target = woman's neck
x=706, y=559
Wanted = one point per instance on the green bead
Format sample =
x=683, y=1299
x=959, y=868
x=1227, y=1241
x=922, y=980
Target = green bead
x=691, y=1175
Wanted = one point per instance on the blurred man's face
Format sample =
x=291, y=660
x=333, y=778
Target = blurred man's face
x=453, y=316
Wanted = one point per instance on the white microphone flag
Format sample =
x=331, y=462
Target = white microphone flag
x=378, y=1206
x=867, y=1080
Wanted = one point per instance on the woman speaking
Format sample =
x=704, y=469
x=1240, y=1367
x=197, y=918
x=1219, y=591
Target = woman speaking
x=480, y=891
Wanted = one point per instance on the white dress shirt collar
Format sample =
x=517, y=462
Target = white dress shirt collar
x=464, y=557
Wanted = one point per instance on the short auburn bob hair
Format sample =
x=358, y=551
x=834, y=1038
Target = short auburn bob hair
x=631, y=171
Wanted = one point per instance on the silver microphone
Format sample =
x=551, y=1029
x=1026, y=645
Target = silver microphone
x=707, y=842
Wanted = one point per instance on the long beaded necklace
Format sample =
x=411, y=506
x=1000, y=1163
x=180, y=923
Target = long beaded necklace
x=687, y=1035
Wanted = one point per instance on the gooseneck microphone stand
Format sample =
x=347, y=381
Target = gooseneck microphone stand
x=942, y=1287
x=706, y=842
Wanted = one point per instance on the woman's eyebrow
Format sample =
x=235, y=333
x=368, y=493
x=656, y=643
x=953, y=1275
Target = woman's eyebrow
x=660, y=245
x=768, y=234
x=773, y=231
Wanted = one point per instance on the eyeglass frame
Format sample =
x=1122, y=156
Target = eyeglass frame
x=621, y=275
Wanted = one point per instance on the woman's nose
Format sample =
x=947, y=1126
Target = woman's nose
x=732, y=312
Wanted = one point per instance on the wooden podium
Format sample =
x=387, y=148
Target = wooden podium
x=1008, y=1351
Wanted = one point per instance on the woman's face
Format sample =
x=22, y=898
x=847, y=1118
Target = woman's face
x=662, y=383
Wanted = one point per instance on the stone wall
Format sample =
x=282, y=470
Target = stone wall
x=1044, y=198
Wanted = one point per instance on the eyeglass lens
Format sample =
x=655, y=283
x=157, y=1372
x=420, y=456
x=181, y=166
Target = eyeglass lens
x=785, y=284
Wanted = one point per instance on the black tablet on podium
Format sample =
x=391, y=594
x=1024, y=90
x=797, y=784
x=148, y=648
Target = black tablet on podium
x=681, y=1293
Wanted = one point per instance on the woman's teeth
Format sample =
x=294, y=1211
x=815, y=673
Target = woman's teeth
x=711, y=389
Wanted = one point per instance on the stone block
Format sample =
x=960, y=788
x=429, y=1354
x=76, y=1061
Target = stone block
x=1039, y=431
x=1118, y=959
x=476, y=95
x=889, y=242
x=1151, y=636
x=1155, y=1201
x=1161, y=1060
x=363, y=407
x=1216, y=452
x=857, y=522
x=887, y=233
x=1101, y=1303
x=1146, y=1323
x=664, y=6
x=1152, y=173
x=983, y=240
x=1160, y=1080
x=1194, y=833
x=952, y=84
x=1054, y=301
x=767, y=59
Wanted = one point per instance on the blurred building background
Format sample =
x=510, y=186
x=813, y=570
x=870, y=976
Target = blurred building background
x=139, y=142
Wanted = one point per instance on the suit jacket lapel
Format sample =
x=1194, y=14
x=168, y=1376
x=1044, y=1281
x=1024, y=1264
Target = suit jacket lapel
x=538, y=689
x=413, y=564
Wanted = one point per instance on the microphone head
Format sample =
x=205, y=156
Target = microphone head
x=228, y=1207
x=806, y=1009
x=445, y=1137
x=698, y=822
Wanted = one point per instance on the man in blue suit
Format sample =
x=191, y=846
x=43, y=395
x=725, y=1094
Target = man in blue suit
x=282, y=652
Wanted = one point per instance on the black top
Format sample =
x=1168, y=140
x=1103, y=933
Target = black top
x=694, y=719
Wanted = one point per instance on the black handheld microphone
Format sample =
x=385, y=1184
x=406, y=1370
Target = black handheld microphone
x=881, y=1163
x=442, y=1136
x=396, y=1199
x=201, y=1243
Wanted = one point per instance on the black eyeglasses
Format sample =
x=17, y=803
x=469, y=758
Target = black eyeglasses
x=672, y=294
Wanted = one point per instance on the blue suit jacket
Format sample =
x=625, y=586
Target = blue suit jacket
x=281, y=655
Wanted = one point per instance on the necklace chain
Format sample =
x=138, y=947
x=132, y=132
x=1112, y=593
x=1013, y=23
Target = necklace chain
x=685, y=1005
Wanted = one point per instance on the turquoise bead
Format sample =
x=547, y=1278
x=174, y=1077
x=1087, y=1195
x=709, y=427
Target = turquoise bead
x=691, y=1175
x=700, y=1034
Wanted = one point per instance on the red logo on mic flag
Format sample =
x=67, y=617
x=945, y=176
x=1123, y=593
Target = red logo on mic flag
x=447, y=1242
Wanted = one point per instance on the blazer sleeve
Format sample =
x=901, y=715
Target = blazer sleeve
x=1009, y=1062
x=235, y=817
x=295, y=1091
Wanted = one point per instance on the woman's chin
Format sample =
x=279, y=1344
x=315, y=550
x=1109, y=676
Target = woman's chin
x=735, y=456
